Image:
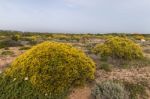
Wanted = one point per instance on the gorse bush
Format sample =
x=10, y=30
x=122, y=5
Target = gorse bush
x=51, y=68
x=139, y=37
x=119, y=48
x=15, y=37
x=109, y=90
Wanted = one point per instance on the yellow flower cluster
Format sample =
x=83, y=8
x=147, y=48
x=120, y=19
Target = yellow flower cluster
x=119, y=47
x=53, y=67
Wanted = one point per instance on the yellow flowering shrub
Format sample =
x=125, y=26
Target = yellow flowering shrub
x=139, y=37
x=15, y=37
x=52, y=67
x=119, y=48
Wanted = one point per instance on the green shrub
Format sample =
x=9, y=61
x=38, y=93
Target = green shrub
x=9, y=43
x=76, y=37
x=12, y=88
x=61, y=37
x=32, y=40
x=15, y=37
x=119, y=48
x=139, y=37
x=136, y=90
x=105, y=66
x=24, y=48
x=109, y=90
x=7, y=53
x=52, y=68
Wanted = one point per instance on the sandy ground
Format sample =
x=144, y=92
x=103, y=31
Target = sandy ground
x=81, y=93
x=6, y=60
x=130, y=75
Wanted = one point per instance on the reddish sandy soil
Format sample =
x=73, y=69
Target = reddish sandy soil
x=6, y=60
x=81, y=93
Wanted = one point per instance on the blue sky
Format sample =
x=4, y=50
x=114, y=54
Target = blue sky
x=81, y=16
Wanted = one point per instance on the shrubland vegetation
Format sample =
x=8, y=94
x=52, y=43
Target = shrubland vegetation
x=119, y=48
x=24, y=48
x=51, y=69
x=110, y=90
x=105, y=66
x=119, y=90
x=5, y=53
x=121, y=51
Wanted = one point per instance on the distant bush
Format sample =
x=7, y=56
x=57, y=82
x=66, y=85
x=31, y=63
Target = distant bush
x=105, y=66
x=33, y=40
x=24, y=48
x=61, y=37
x=75, y=37
x=9, y=43
x=15, y=37
x=7, y=53
x=139, y=37
x=49, y=68
x=119, y=48
x=109, y=90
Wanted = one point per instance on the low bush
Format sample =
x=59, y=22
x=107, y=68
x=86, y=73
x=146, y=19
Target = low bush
x=139, y=37
x=119, y=48
x=7, y=53
x=136, y=90
x=15, y=37
x=109, y=90
x=61, y=37
x=32, y=40
x=9, y=43
x=106, y=66
x=24, y=48
x=50, y=68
